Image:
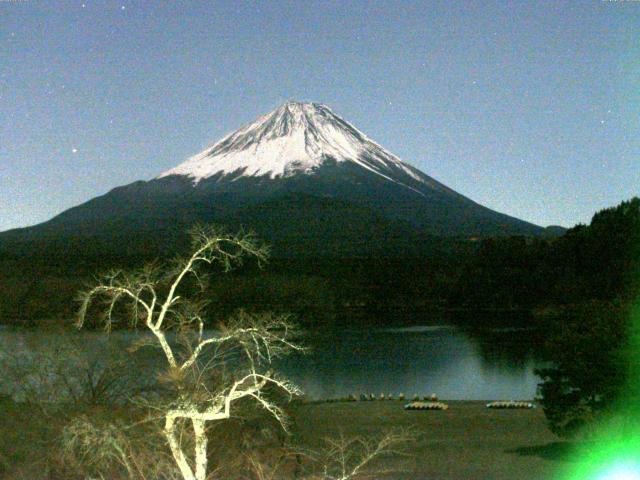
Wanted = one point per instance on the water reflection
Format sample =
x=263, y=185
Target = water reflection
x=440, y=359
x=452, y=362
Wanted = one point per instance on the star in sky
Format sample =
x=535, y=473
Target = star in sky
x=510, y=93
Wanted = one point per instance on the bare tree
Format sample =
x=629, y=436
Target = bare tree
x=342, y=458
x=55, y=367
x=209, y=373
x=95, y=448
x=351, y=458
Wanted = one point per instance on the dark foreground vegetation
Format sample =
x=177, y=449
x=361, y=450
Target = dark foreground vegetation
x=466, y=441
x=577, y=290
x=589, y=263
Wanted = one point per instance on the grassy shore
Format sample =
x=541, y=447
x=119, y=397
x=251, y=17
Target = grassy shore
x=465, y=442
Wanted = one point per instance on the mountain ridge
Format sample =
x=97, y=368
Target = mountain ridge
x=299, y=150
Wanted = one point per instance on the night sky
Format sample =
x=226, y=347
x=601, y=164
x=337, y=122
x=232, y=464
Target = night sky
x=529, y=108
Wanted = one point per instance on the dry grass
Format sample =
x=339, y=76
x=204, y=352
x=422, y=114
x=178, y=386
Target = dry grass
x=467, y=441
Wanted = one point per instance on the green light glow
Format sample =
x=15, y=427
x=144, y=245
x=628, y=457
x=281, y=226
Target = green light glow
x=615, y=459
x=614, y=453
x=624, y=471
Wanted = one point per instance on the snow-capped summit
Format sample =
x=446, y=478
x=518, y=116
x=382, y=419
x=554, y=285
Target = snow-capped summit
x=303, y=178
x=295, y=138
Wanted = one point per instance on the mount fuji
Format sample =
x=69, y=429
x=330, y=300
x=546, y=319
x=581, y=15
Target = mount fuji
x=297, y=138
x=301, y=176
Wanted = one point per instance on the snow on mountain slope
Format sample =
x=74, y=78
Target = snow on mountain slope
x=297, y=138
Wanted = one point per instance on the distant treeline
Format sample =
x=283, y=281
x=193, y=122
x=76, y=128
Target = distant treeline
x=596, y=262
x=599, y=261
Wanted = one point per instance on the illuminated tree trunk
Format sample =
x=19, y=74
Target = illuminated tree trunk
x=261, y=338
x=176, y=449
x=200, y=434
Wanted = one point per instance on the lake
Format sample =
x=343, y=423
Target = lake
x=449, y=361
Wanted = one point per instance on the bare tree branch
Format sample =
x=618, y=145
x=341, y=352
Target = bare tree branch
x=260, y=339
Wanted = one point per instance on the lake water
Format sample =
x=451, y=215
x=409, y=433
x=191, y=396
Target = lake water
x=449, y=361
